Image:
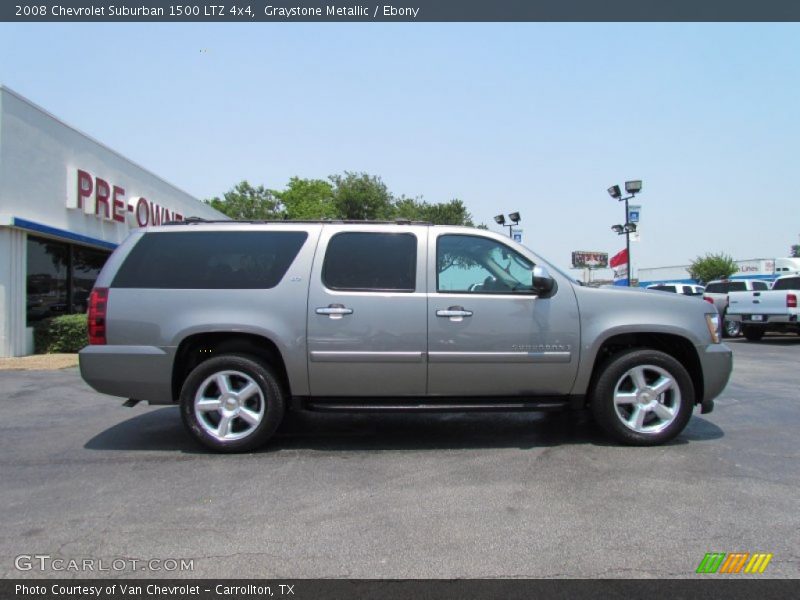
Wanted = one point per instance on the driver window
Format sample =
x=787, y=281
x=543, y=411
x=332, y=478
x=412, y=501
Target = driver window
x=471, y=264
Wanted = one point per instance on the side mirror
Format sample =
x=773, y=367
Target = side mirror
x=543, y=284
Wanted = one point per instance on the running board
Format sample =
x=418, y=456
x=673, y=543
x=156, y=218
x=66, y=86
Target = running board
x=432, y=404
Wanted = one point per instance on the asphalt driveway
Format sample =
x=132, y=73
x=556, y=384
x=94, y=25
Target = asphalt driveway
x=397, y=496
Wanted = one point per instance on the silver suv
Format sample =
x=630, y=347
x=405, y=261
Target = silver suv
x=238, y=322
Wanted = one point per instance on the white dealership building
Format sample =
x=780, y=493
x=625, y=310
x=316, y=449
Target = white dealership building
x=66, y=201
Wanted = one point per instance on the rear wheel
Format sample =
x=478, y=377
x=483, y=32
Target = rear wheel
x=643, y=397
x=752, y=332
x=731, y=328
x=232, y=403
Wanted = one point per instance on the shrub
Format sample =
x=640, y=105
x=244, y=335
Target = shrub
x=67, y=333
x=712, y=266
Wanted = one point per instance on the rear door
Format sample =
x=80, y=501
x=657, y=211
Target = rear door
x=367, y=329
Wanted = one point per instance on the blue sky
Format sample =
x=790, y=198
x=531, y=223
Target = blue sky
x=539, y=118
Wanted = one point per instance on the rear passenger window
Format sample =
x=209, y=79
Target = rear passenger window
x=737, y=286
x=790, y=283
x=371, y=262
x=760, y=285
x=210, y=260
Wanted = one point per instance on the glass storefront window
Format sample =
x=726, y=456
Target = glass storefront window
x=59, y=277
x=86, y=265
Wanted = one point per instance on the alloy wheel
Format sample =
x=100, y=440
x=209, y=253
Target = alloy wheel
x=647, y=399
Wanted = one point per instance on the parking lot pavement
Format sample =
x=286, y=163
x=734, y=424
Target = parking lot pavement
x=478, y=495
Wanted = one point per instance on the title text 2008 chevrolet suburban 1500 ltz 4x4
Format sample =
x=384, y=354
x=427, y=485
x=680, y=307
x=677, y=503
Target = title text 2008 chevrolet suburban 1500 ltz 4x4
x=239, y=321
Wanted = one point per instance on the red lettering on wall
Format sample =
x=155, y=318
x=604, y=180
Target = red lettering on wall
x=142, y=212
x=101, y=194
x=85, y=186
x=119, y=205
x=155, y=214
x=110, y=203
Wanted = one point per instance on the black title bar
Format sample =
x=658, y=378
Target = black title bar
x=399, y=11
x=711, y=588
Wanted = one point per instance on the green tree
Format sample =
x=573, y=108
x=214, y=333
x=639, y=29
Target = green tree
x=307, y=199
x=448, y=213
x=712, y=266
x=245, y=202
x=795, y=251
x=358, y=196
x=442, y=213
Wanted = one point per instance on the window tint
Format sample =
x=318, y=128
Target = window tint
x=59, y=277
x=372, y=262
x=664, y=288
x=790, y=283
x=210, y=260
x=466, y=263
x=760, y=285
x=47, y=281
x=723, y=287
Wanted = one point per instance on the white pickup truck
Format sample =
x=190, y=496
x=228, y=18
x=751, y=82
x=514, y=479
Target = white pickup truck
x=771, y=310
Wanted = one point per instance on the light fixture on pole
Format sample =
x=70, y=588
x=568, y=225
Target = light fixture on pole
x=632, y=188
x=513, y=217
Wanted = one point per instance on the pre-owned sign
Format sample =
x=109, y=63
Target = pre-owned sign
x=105, y=200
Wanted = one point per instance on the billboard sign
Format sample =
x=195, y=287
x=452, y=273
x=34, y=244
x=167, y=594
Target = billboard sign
x=582, y=259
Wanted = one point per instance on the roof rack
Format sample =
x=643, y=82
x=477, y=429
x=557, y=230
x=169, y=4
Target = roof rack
x=200, y=220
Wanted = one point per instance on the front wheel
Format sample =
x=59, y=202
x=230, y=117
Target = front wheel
x=643, y=397
x=232, y=403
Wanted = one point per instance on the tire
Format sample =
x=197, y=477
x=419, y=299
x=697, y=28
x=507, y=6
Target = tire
x=637, y=414
x=240, y=417
x=730, y=329
x=752, y=333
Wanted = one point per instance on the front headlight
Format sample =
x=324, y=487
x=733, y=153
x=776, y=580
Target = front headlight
x=713, y=322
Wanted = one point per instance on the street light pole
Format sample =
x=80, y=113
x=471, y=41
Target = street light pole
x=632, y=188
x=628, y=241
x=515, y=219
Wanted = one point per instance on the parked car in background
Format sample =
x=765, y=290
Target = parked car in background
x=687, y=289
x=717, y=294
x=771, y=310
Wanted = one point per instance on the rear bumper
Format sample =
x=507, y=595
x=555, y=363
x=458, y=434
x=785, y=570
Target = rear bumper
x=716, y=360
x=140, y=372
x=767, y=319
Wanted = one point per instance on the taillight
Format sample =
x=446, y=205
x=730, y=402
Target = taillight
x=791, y=301
x=709, y=300
x=98, y=303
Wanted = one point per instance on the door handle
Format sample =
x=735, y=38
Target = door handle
x=454, y=313
x=334, y=311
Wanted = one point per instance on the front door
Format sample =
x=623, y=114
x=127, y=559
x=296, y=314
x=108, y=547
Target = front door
x=488, y=333
x=367, y=328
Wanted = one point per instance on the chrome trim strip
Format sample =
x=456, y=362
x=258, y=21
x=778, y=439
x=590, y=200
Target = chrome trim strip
x=499, y=357
x=365, y=357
